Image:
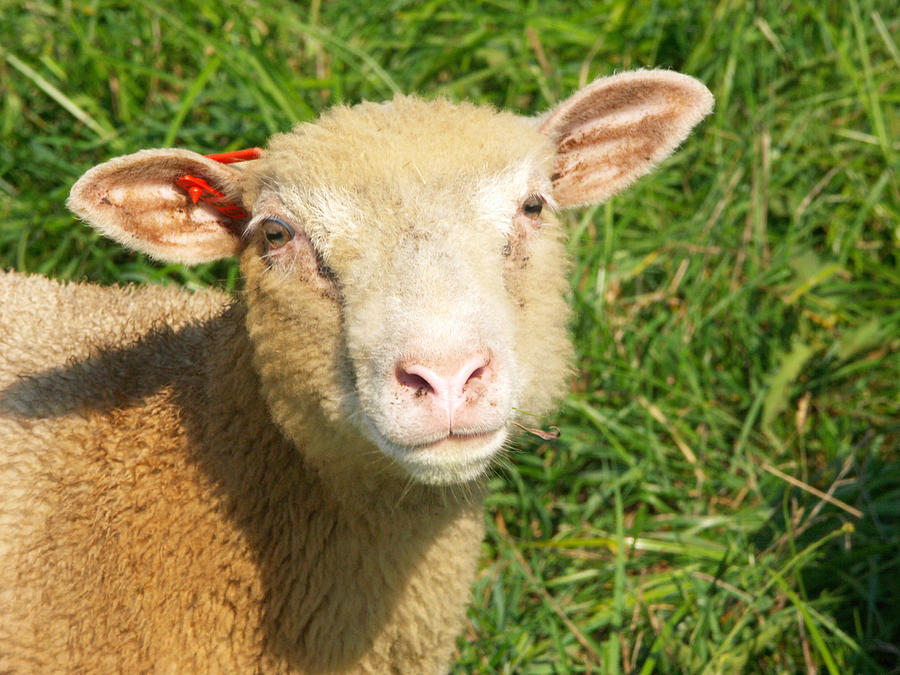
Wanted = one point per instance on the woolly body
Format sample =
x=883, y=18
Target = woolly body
x=191, y=530
x=291, y=481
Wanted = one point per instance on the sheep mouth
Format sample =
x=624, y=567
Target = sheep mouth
x=456, y=441
x=456, y=457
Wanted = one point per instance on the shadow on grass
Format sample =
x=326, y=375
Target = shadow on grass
x=854, y=578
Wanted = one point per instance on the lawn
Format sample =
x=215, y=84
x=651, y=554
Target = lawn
x=725, y=496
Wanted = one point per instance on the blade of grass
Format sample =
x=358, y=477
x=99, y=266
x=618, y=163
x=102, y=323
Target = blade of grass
x=104, y=133
x=856, y=513
x=210, y=69
x=811, y=626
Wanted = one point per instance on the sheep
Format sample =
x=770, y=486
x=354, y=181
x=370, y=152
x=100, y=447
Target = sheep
x=290, y=480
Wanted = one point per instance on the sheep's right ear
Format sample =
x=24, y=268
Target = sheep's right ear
x=135, y=200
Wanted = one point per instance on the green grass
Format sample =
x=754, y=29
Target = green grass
x=738, y=313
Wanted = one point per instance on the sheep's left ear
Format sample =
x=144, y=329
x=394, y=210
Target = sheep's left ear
x=617, y=129
x=136, y=200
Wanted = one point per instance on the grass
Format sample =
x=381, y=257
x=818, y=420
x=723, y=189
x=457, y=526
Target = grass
x=726, y=493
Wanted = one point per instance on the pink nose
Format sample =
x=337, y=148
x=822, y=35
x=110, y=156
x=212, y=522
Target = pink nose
x=448, y=393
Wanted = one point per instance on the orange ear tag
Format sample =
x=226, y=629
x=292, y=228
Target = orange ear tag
x=236, y=155
x=198, y=189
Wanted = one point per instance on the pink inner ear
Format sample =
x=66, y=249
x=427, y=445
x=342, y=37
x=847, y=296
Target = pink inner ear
x=162, y=210
x=158, y=218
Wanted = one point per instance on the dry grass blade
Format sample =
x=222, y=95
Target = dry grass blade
x=856, y=513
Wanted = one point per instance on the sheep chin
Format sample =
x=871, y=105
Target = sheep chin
x=453, y=459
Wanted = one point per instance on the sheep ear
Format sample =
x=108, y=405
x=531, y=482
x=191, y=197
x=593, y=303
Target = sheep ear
x=135, y=200
x=618, y=128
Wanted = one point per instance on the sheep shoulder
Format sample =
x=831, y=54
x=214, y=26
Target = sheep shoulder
x=96, y=479
x=46, y=323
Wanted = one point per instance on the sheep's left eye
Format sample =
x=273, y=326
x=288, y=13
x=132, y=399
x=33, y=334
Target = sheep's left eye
x=533, y=206
x=277, y=232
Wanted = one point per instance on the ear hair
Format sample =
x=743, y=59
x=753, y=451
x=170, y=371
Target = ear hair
x=618, y=128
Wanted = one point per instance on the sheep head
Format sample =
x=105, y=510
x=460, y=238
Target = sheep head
x=404, y=271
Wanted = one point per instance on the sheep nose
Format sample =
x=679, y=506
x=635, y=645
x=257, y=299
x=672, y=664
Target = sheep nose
x=448, y=392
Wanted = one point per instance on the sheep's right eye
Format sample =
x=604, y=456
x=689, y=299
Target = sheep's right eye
x=277, y=232
x=533, y=206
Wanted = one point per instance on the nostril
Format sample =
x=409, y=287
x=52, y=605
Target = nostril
x=474, y=369
x=422, y=380
x=414, y=381
x=478, y=373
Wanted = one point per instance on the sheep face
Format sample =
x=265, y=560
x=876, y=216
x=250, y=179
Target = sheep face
x=404, y=271
x=434, y=266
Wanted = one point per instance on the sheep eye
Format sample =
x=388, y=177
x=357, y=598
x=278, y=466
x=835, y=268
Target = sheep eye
x=533, y=206
x=277, y=232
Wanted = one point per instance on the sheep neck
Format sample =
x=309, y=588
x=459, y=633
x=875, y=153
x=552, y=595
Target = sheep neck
x=345, y=557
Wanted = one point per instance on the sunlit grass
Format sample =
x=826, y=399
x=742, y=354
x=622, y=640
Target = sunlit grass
x=737, y=313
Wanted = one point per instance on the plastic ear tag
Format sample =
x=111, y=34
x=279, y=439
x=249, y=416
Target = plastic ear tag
x=199, y=190
x=236, y=155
